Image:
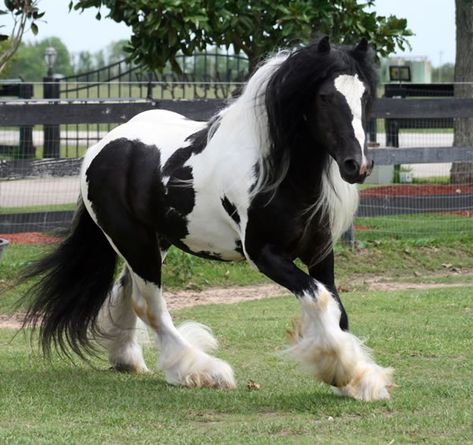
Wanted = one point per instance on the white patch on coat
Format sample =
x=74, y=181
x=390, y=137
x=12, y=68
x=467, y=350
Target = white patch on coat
x=352, y=88
x=239, y=141
x=215, y=175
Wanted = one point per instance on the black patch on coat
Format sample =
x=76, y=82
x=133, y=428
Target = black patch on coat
x=198, y=142
x=202, y=254
x=209, y=255
x=127, y=195
x=126, y=174
x=180, y=193
x=231, y=209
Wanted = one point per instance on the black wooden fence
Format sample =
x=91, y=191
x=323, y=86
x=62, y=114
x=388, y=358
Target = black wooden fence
x=114, y=112
x=117, y=111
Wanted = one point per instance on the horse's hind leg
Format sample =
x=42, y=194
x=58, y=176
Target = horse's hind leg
x=183, y=355
x=183, y=351
x=119, y=327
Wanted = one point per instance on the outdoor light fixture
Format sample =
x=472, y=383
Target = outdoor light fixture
x=400, y=73
x=50, y=54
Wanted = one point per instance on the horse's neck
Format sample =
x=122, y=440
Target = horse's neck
x=305, y=174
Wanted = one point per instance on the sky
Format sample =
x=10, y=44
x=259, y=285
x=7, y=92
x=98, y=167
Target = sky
x=433, y=22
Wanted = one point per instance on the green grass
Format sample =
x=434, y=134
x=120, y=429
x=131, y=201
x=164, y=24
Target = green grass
x=426, y=336
x=181, y=271
x=404, y=260
x=429, y=180
x=39, y=208
x=64, y=151
x=420, y=227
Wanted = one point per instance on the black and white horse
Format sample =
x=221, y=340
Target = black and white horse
x=269, y=179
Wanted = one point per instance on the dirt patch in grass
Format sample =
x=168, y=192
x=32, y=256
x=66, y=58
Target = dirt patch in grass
x=30, y=238
x=416, y=190
x=237, y=294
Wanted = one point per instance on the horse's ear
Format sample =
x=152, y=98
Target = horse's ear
x=324, y=45
x=362, y=47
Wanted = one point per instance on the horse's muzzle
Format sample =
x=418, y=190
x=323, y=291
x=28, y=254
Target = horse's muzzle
x=352, y=172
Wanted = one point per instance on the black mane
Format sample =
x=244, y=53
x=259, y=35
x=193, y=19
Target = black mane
x=290, y=93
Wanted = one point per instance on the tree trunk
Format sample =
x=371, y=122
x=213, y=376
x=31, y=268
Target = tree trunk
x=462, y=172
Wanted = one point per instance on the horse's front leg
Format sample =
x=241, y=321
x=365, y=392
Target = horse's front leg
x=323, y=271
x=327, y=351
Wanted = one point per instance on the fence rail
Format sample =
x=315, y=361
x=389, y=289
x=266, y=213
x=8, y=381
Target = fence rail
x=26, y=113
x=106, y=111
x=98, y=112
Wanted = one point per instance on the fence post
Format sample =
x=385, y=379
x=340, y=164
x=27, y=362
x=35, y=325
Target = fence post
x=26, y=148
x=348, y=238
x=51, y=132
x=51, y=90
x=372, y=131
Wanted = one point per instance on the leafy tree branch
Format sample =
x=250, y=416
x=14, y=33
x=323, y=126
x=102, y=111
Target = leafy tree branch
x=23, y=13
x=162, y=30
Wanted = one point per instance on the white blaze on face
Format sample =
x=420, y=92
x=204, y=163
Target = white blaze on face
x=352, y=88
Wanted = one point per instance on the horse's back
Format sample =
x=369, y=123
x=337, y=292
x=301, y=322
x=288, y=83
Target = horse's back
x=165, y=117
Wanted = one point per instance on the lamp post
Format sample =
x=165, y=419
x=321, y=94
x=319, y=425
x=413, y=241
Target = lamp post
x=50, y=55
x=51, y=147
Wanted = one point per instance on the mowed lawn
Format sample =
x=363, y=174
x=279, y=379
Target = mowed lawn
x=425, y=335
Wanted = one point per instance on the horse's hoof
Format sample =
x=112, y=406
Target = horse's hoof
x=204, y=380
x=128, y=369
x=200, y=370
x=369, y=384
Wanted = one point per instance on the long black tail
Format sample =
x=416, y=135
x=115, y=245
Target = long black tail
x=74, y=281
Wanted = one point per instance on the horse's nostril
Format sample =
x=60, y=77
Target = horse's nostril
x=351, y=167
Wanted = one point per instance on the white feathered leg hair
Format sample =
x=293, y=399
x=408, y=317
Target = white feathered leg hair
x=122, y=331
x=334, y=356
x=184, y=351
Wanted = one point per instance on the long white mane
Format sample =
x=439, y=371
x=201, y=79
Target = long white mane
x=246, y=119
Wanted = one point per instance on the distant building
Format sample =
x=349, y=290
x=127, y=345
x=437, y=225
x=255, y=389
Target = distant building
x=420, y=69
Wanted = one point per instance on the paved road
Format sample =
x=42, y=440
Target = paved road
x=42, y=191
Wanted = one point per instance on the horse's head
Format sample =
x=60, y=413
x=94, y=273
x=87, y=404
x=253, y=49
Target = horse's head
x=317, y=101
x=339, y=118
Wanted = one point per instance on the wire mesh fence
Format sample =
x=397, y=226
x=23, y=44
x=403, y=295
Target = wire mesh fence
x=400, y=201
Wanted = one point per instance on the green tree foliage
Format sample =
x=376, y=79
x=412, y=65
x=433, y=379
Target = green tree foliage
x=116, y=51
x=24, y=14
x=163, y=29
x=443, y=73
x=86, y=61
x=29, y=63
